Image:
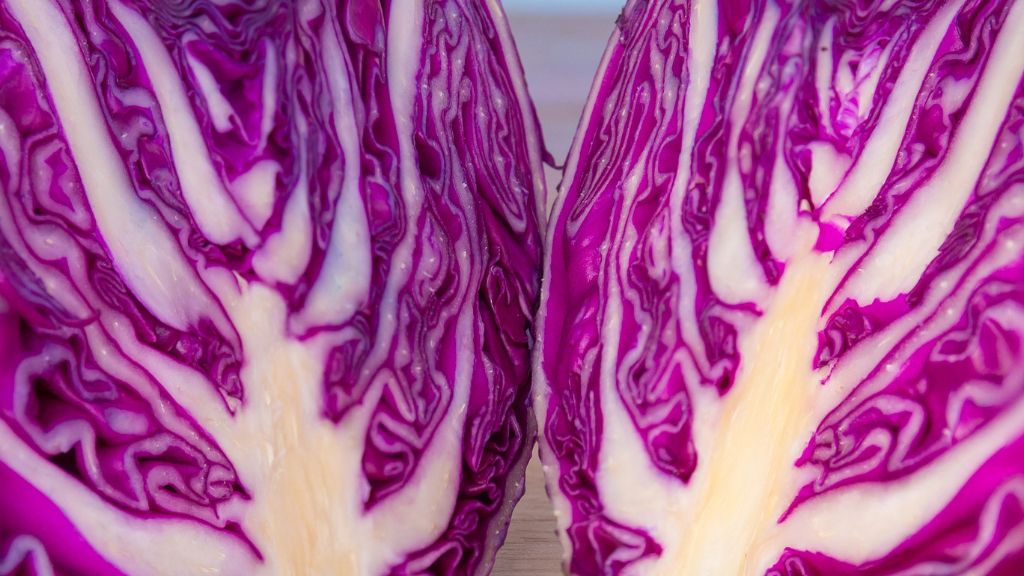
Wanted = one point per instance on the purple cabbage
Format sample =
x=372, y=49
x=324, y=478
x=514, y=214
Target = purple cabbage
x=268, y=272
x=782, y=322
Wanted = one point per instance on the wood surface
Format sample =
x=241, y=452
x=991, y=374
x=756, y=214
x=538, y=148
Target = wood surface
x=560, y=54
x=531, y=547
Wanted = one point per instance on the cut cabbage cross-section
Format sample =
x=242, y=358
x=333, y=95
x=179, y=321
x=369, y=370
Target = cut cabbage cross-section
x=267, y=278
x=782, y=320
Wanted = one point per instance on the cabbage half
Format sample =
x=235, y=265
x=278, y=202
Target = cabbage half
x=782, y=322
x=267, y=277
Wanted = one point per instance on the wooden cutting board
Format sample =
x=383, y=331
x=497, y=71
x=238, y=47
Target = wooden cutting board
x=531, y=547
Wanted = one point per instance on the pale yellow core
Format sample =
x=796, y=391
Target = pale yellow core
x=302, y=470
x=748, y=479
x=305, y=482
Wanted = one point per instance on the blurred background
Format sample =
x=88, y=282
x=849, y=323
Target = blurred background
x=560, y=43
